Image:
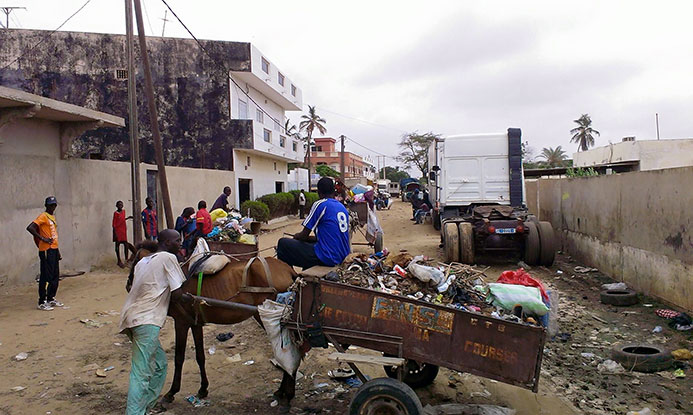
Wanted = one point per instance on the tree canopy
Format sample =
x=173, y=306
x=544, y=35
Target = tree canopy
x=583, y=134
x=326, y=171
x=393, y=173
x=554, y=157
x=414, y=153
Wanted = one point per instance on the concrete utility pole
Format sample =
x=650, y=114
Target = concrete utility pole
x=341, y=158
x=163, y=29
x=133, y=124
x=7, y=10
x=657, y=121
x=153, y=117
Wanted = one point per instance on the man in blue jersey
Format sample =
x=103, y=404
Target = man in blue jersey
x=329, y=219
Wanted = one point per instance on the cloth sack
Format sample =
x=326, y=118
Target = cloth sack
x=286, y=352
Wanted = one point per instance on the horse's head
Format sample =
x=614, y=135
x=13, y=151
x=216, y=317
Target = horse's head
x=144, y=248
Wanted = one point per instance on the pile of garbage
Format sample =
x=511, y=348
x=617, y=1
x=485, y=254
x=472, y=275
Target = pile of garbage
x=230, y=227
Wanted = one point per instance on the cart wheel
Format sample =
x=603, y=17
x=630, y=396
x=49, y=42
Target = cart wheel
x=387, y=397
x=451, y=241
x=466, y=243
x=378, y=244
x=532, y=246
x=416, y=375
x=548, y=244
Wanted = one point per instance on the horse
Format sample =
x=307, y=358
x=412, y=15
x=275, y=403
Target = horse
x=224, y=285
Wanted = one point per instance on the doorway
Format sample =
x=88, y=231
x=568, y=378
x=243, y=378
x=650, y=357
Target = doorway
x=278, y=187
x=243, y=190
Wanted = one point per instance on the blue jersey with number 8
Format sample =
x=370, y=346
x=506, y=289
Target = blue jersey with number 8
x=329, y=219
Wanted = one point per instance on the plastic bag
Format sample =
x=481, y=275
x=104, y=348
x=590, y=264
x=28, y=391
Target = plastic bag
x=218, y=213
x=286, y=353
x=359, y=188
x=247, y=239
x=521, y=277
x=425, y=273
x=508, y=296
x=372, y=226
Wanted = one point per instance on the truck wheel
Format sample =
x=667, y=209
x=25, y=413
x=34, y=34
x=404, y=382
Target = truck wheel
x=435, y=218
x=385, y=396
x=378, y=244
x=416, y=375
x=532, y=246
x=451, y=241
x=466, y=243
x=548, y=244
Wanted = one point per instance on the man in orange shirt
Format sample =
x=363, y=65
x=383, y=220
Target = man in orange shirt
x=45, y=231
x=204, y=220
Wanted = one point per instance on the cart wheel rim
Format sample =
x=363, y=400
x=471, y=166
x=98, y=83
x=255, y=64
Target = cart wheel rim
x=383, y=405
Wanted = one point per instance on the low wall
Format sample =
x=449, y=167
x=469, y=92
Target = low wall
x=635, y=227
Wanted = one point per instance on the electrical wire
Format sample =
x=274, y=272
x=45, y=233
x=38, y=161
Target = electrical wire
x=43, y=39
x=363, y=121
x=369, y=149
x=146, y=14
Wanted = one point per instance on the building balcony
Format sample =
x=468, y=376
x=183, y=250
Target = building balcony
x=253, y=136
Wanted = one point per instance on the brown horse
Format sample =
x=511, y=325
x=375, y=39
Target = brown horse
x=224, y=285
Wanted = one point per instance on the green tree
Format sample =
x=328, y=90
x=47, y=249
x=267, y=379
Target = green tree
x=326, y=171
x=393, y=173
x=583, y=134
x=414, y=152
x=311, y=122
x=554, y=156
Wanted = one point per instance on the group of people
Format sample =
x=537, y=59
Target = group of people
x=420, y=205
x=158, y=278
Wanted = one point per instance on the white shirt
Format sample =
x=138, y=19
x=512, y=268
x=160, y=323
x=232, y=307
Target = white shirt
x=147, y=303
x=301, y=199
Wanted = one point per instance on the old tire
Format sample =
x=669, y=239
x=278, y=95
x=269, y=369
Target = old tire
x=619, y=297
x=385, y=396
x=378, y=244
x=451, y=241
x=548, y=244
x=466, y=243
x=532, y=244
x=435, y=218
x=416, y=375
x=642, y=357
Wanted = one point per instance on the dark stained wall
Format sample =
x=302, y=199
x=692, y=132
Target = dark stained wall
x=192, y=91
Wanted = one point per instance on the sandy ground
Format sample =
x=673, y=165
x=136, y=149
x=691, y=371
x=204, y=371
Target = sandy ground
x=57, y=378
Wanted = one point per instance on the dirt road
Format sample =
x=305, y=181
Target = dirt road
x=58, y=376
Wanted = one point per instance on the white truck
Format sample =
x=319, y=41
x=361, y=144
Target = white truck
x=476, y=185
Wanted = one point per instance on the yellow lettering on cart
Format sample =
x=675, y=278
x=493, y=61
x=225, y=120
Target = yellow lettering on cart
x=490, y=352
x=427, y=318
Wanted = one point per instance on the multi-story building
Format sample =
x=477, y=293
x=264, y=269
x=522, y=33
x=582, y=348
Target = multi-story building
x=223, y=112
x=323, y=152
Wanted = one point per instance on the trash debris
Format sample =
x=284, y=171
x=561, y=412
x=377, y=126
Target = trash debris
x=212, y=350
x=322, y=385
x=90, y=367
x=587, y=355
x=354, y=382
x=93, y=323
x=523, y=264
x=559, y=272
x=679, y=374
x=616, y=286
x=274, y=403
x=106, y=313
x=21, y=356
x=17, y=388
x=682, y=322
x=248, y=363
x=234, y=359
x=682, y=354
x=657, y=329
x=666, y=313
x=484, y=394
x=222, y=337
x=467, y=409
x=643, y=411
x=610, y=367
x=584, y=270
x=197, y=402
x=340, y=373
x=101, y=373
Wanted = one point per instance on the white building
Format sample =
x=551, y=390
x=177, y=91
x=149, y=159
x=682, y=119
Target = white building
x=263, y=169
x=632, y=155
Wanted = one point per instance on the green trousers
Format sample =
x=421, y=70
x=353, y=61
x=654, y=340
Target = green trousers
x=148, y=371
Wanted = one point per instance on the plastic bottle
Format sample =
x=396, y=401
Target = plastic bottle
x=643, y=411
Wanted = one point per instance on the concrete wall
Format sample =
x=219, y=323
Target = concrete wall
x=652, y=154
x=263, y=171
x=636, y=227
x=86, y=191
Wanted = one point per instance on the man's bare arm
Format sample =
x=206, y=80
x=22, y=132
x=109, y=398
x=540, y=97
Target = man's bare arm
x=305, y=236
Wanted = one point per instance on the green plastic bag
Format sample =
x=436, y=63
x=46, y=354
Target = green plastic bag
x=508, y=296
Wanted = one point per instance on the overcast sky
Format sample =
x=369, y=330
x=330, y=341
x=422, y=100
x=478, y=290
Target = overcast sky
x=449, y=67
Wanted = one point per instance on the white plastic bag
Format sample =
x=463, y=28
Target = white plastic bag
x=285, y=351
x=426, y=274
x=372, y=226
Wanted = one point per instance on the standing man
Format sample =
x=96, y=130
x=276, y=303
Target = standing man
x=149, y=222
x=45, y=231
x=204, y=220
x=120, y=233
x=157, y=281
x=222, y=201
x=301, y=203
x=329, y=219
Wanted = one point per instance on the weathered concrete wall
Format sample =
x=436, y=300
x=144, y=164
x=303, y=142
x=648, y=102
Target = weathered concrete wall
x=636, y=227
x=192, y=92
x=86, y=191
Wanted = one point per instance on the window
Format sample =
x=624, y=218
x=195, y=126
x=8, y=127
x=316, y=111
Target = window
x=275, y=165
x=280, y=79
x=294, y=146
x=277, y=126
x=265, y=66
x=242, y=110
x=293, y=89
x=259, y=116
x=247, y=161
x=282, y=141
x=267, y=135
x=122, y=74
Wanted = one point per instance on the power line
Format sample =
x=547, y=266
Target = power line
x=363, y=121
x=43, y=39
x=146, y=13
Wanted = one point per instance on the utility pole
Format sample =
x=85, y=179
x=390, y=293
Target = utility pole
x=341, y=158
x=133, y=124
x=163, y=29
x=657, y=121
x=153, y=117
x=7, y=10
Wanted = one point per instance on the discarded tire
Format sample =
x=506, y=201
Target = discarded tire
x=619, y=297
x=416, y=375
x=548, y=244
x=642, y=357
x=385, y=396
x=532, y=247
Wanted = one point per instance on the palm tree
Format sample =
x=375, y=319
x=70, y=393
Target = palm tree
x=554, y=156
x=290, y=129
x=584, y=133
x=311, y=122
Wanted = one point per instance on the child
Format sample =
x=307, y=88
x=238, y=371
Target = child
x=120, y=233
